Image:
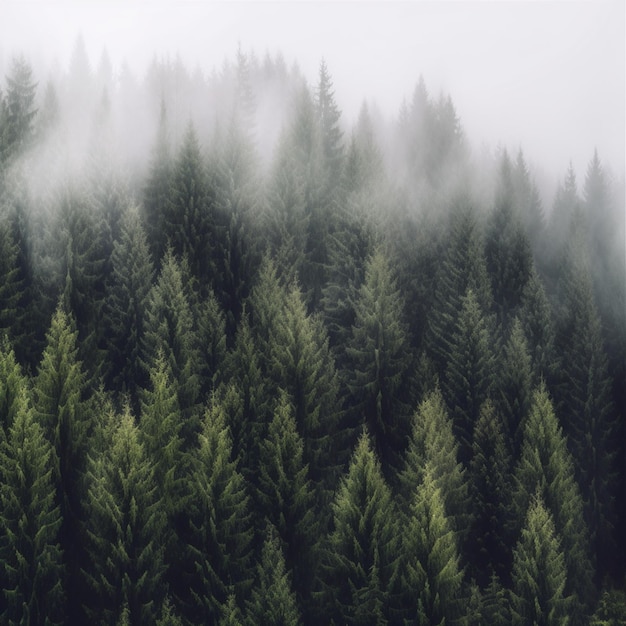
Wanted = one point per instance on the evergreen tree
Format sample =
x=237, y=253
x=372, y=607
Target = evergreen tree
x=380, y=361
x=14, y=387
x=158, y=193
x=20, y=108
x=546, y=466
x=169, y=329
x=496, y=607
x=285, y=494
x=432, y=444
x=514, y=383
x=463, y=268
x=359, y=568
x=272, y=601
x=125, y=307
x=31, y=572
x=191, y=221
x=492, y=521
x=125, y=529
x=584, y=400
x=539, y=593
x=432, y=573
x=220, y=532
x=469, y=373
x=302, y=365
x=10, y=287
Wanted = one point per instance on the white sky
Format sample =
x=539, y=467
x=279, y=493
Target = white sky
x=546, y=76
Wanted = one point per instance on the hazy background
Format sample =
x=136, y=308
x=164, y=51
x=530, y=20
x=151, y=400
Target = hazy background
x=546, y=76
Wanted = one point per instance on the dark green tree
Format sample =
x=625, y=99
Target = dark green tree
x=432, y=574
x=546, y=467
x=360, y=560
x=125, y=529
x=584, y=399
x=14, y=387
x=469, y=373
x=31, y=572
x=432, y=444
x=379, y=361
x=273, y=601
x=220, y=531
x=490, y=488
x=539, y=594
x=158, y=192
x=20, y=108
x=286, y=496
x=169, y=330
x=125, y=306
x=10, y=283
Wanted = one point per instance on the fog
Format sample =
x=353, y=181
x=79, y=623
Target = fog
x=547, y=77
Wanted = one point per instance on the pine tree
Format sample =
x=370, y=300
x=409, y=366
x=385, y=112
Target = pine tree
x=463, y=268
x=468, y=380
x=302, y=365
x=14, y=387
x=432, y=574
x=20, y=108
x=584, y=400
x=157, y=193
x=546, y=465
x=190, y=221
x=125, y=529
x=496, y=609
x=492, y=521
x=272, y=601
x=359, y=563
x=31, y=572
x=125, y=306
x=169, y=330
x=286, y=496
x=220, y=532
x=10, y=287
x=432, y=444
x=380, y=362
x=539, y=593
x=514, y=384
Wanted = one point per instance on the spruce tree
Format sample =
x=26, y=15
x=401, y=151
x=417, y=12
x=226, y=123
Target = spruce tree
x=469, y=373
x=359, y=562
x=432, y=443
x=432, y=574
x=14, y=387
x=539, y=594
x=272, y=601
x=10, y=284
x=490, y=481
x=220, y=533
x=286, y=496
x=169, y=329
x=302, y=365
x=125, y=306
x=379, y=361
x=125, y=529
x=32, y=573
x=546, y=466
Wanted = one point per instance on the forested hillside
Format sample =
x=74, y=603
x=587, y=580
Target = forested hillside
x=262, y=365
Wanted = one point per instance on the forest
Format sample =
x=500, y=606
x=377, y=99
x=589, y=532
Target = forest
x=262, y=365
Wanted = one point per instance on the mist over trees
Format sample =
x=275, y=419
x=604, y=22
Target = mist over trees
x=260, y=365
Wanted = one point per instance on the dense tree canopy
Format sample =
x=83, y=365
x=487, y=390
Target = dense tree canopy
x=265, y=363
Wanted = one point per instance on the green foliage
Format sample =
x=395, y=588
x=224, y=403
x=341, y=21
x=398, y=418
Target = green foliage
x=432, y=573
x=360, y=558
x=432, y=444
x=31, y=571
x=469, y=372
x=14, y=387
x=285, y=493
x=220, y=531
x=127, y=296
x=546, y=467
x=272, y=601
x=611, y=609
x=169, y=330
x=379, y=361
x=125, y=529
x=539, y=594
x=490, y=472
